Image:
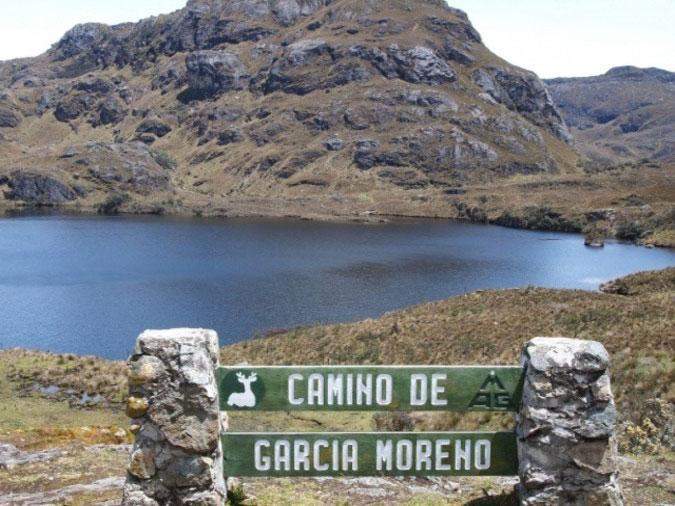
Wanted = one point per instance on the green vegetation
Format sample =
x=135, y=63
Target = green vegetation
x=32, y=419
x=113, y=203
x=632, y=202
x=642, y=283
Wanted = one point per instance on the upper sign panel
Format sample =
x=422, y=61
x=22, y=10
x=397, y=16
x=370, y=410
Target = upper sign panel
x=370, y=388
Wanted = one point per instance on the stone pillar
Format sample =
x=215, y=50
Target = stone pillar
x=173, y=402
x=566, y=443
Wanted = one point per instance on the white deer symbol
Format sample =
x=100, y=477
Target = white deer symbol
x=245, y=399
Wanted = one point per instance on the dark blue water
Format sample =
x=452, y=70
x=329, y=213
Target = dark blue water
x=89, y=285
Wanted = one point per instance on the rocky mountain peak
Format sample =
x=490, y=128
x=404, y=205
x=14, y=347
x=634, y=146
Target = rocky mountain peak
x=630, y=72
x=285, y=12
x=81, y=38
x=289, y=97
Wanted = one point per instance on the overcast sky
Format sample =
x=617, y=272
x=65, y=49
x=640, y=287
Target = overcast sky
x=551, y=37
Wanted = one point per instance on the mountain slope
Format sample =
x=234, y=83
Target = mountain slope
x=273, y=106
x=626, y=114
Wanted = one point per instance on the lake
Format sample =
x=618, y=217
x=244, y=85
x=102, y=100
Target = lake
x=90, y=285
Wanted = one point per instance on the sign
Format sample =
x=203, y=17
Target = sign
x=370, y=454
x=370, y=388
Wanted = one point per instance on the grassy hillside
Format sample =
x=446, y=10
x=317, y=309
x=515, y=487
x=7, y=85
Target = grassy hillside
x=492, y=326
x=633, y=202
x=223, y=108
x=636, y=324
x=339, y=108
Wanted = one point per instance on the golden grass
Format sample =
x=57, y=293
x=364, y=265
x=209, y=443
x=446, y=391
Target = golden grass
x=492, y=326
x=482, y=327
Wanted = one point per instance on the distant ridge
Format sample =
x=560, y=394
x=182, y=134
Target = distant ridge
x=628, y=113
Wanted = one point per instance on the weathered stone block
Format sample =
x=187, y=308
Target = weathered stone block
x=177, y=457
x=566, y=448
x=142, y=464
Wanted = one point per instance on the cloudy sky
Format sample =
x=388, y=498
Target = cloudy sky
x=551, y=37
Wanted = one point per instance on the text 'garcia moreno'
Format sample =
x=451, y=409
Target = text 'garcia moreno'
x=355, y=454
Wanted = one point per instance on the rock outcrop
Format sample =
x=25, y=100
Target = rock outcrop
x=418, y=64
x=81, y=39
x=525, y=93
x=309, y=65
x=9, y=118
x=153, y=126
x=11, y=456
x=37, y=189
x=126, y=166
x=110, y=112
x=213, y=72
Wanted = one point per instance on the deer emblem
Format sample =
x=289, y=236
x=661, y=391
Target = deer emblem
x=245, y=399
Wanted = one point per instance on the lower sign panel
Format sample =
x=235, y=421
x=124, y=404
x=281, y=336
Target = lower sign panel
x=370, y=454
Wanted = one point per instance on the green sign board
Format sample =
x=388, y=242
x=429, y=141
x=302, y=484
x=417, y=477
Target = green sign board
x=370, y=388
x=370, y=454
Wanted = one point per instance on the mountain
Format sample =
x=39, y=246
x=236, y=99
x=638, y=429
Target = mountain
x=626, y=114
x=274, y=107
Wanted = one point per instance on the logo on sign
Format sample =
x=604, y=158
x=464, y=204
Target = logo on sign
x=492, y=394
x=245, y=389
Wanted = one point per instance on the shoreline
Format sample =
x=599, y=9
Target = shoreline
x=364, y=218
x=616, y=286
x=633, y=203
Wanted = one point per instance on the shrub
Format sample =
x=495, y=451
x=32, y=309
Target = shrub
x=236, y=495
x=163, y=159
x=393, y=421
x=541, y=218
x=595, y=234
x=630, y=230
x=638, y=439
x=112, y=204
